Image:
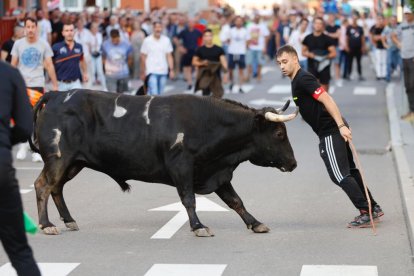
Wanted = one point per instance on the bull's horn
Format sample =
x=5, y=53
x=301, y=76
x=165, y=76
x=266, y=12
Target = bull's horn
x=270, y=116
x=283, y=108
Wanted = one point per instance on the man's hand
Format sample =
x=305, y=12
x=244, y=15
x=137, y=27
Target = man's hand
x=346, y=133
x=171, y=74
x=225, y=78
x=85, y=78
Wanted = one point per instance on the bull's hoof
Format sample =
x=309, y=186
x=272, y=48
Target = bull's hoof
x=203, y=232
x=72, y=226
x=261, y=228
x=51, y=230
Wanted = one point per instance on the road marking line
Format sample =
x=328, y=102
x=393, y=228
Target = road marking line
x=338, y=270
x=267, y=69
x=25, y=191
x=186, y=270
x=363, y=90
x=29, y=168
x=46, y=269
x=280, y=89
x=168, y=88
x=174, y=224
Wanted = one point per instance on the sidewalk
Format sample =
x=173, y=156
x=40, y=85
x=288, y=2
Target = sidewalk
x=402, y=146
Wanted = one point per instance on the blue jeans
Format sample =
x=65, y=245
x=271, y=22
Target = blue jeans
x=304, y=64
x=393, y=61
x=156, y=84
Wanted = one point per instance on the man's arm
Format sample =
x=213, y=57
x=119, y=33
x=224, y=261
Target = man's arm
x=198, y=62
x=84, y=69
x=333, y=110
x=225, y=67
x=395, y=39
x=14, y=61
x=332, y=52
x=306, y=52
x=50, y=69
x=143, y=60
x=4, y=55
x=21, y=112
x=170, y=60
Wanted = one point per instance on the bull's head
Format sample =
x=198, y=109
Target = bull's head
x=272, y=146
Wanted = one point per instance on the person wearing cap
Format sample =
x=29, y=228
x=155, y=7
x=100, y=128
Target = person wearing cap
x=404, y=39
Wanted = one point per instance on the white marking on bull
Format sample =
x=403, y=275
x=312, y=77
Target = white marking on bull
x=119, y=110
x=179, y=139
x=56, y=141
x=145, y=114
x=69, y=95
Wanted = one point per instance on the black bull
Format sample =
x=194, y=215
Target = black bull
x=185, y=141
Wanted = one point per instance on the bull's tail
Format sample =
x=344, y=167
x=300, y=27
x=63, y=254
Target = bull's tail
x=36, y=111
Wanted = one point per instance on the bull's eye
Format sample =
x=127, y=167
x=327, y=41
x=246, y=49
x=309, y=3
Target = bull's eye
x=280, y=134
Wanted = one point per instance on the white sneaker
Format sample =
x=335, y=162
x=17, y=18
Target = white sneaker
x=22, y=152
x=36, y=157
x=339, y=83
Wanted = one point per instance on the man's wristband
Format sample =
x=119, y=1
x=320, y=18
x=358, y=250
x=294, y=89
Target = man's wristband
x=340, y=126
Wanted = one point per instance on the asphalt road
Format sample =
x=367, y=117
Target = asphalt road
x=306, y=212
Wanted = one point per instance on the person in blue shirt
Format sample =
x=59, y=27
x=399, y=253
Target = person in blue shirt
x=117, y=58
x=189, y=38
x=68, y=61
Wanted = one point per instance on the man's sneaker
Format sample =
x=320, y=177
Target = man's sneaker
x=377, y=210
x=409, y=117
x=22, y=152
x=36, y=157
x=241, y=90
x=363, y=220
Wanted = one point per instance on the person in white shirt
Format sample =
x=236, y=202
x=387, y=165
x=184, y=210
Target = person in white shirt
x=44, y=27
x=237, y=51
x=85, y=38
x=258, y=34
x=224, y=34
x=295, y=40
x=96, y=57
x=157, y=60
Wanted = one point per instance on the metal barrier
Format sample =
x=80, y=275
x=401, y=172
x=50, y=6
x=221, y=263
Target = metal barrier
x=6, y=28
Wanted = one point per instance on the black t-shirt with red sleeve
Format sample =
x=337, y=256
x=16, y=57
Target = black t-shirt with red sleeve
x=305, y=92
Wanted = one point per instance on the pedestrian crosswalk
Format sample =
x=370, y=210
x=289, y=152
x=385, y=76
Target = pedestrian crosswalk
x=46, y=269
x=281, y=89
x=63, y=269
x=340, y=270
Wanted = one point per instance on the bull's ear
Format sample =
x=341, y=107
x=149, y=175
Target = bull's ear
x=259, y=121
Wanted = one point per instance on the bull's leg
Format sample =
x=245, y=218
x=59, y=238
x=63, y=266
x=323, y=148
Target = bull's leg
x=65, y=216
x=188, y=200
x=227, y=193
x=43, y=191
x=180, y=168
x=57, y=195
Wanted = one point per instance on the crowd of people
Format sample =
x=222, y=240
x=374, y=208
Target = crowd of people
x=110, y=49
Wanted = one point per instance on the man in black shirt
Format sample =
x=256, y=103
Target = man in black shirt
x=320, y=111
x=334, y=31
x=14, y=107
x=319, y=49
x=210, y=53
x=380, y=51
x=18, y=32
x=355, y=46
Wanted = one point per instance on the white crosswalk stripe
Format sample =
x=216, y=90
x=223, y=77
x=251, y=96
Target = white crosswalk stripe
x=338, y=270
x=186, y=270
x=46, y=269
x=267, y=69
x=280, y=89
x=25, y=191
x=365, y=90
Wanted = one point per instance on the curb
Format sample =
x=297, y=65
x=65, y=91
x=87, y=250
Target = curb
x=402, y=165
